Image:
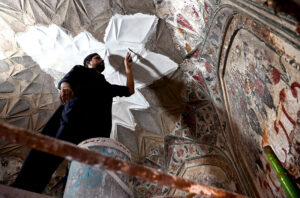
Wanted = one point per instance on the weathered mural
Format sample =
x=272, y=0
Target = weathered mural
x=259, y=81
x=196, y=146
x=187, y=20
x=250, y=76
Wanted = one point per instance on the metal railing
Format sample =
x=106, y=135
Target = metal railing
x=70, y=151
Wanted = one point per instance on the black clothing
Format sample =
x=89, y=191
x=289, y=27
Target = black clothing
x=92, y=99
x=87, y=115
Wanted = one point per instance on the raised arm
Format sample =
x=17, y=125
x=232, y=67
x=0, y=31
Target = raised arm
x=128, y=65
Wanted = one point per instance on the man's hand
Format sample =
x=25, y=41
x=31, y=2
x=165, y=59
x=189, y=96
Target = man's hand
x=128, y=62
x=128, y=65
x=66, y=93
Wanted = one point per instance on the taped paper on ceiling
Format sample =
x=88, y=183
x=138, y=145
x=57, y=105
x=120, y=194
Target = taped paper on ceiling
x=57, y=52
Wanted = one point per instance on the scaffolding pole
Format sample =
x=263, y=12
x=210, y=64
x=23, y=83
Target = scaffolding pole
x=70, y=152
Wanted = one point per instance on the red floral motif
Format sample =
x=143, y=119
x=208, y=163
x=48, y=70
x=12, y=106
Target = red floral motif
x=206, y=7
x=208, y=67
x=169, y=152
x=148, y=194
x=293, y=87
x=195, y=12
x=182, y=21
x=195, y=54
x=207, y=115
x=180, y=152
x=268, y=168
x=259, y=87
x=275, y=76
x=276, y=128
x=267, y=186
x=285, y=132
x=282, y=95
x=197, y=76
x=285, y=154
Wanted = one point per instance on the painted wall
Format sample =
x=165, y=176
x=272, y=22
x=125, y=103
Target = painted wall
x=247, y=65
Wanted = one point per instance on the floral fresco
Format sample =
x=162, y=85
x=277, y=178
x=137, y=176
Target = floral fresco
x=258, y=82
x=188, y=21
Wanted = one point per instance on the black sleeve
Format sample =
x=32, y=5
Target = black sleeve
x=118, y=90
x=53, y=123
x=71, y=76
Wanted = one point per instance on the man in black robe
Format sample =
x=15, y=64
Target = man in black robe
x=85, y=113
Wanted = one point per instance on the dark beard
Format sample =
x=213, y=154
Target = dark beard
x=100, y=67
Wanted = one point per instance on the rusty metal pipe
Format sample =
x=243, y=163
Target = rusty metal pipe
x=72, y=152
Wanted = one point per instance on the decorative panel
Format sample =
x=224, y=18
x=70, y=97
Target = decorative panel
x=260, y=77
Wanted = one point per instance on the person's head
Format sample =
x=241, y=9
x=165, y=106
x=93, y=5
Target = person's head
x=94, y=61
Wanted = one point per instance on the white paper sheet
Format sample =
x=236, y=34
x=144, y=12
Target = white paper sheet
x=55, y=50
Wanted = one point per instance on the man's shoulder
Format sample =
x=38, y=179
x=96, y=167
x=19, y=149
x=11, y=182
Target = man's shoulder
x=79, y=67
